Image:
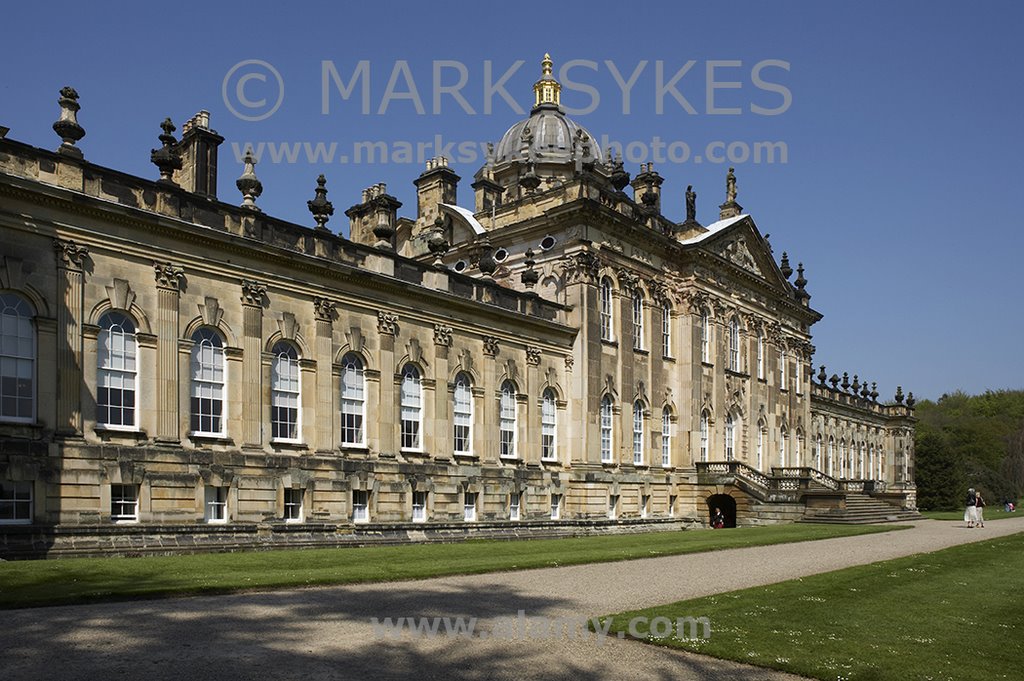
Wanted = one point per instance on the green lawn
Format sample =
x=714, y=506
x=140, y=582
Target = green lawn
x=32, y=583
x=991, y=513
x=953, y=614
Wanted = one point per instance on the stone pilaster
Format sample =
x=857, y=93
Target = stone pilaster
x=387, y=406
x=71, y=259
x=168, y=285
x=324, y=311
x=491, y=449
x=443, y=418
x=530, y=415
x=253, y=294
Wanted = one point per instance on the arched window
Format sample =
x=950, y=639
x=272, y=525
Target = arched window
x=666, y=329
x=638, y=433
x=871, y=461
x=116, y=367
x=284, y=392
x=760, y=355
x=783, y=437
x=547, y=426
x=842, y=458
x=760, y=446
x=606, y=310
x=208, y=382
x=796, y=448
x=462, y=410
x=730, y=438
x=412, y=408
x=860, y=460
x=831, y=455
x=703, y=436
x=17, y=359
x=734, y=345
x=507, y=420
x=705, y=338
x=666, y=437
x=606, y=429
x=638, y=320
x=817, y=452
x=782, y=369
x=353, y=401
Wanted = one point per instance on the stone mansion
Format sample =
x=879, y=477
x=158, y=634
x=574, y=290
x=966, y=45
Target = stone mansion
x=542, y=354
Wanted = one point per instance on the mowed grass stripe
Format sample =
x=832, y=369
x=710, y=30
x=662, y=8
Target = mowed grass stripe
x=953, y=614
x=77, y=580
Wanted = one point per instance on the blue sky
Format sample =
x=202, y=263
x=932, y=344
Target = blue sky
x=902, y=131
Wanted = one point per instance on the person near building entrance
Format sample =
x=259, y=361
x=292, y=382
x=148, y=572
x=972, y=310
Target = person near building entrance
x=717, y=519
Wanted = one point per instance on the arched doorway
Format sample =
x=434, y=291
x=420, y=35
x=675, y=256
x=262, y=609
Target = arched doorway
x=728, y=506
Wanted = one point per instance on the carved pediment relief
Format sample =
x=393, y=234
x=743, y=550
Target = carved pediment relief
x=736, y=251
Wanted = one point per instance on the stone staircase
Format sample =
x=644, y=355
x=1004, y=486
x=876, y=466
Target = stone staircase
x=862, y=509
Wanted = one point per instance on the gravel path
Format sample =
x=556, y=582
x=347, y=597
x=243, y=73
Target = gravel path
x=325, y=633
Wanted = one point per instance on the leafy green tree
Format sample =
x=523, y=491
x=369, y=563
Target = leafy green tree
x=970, y=441
x=940, y=474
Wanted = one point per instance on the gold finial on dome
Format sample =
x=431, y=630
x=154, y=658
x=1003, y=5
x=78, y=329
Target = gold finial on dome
x=547, y=90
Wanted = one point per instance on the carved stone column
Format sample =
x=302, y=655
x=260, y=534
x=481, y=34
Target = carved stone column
x=387, y=414
x=491, y=449
x=71, y=298
x=252, y=339
x=168, y=287
x=530, y=418
x=324, y=311
x=443, y=415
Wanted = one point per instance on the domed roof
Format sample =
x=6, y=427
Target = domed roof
x=548, y=132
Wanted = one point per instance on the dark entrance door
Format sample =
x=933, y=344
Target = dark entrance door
x=728, y=506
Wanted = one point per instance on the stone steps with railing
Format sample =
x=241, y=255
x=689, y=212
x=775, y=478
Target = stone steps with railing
x=825, y=499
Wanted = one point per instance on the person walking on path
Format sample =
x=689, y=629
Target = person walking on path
x=979, y=507
x=971, y=512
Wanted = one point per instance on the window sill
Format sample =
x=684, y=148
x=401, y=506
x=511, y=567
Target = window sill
x=706, y=364
x=641, y=351
x=553, y=460
x=511, y=459
x=465, y=455
x=610, y=343
x=668, y=358
x=108, y=433
x=737, y=373
x=288, y=444
x=211, y=439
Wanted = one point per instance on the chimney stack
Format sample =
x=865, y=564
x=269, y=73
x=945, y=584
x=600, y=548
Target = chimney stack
x=437, y=184
x=647, y=188
x=198, y=148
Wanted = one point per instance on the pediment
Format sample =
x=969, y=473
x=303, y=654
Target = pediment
x=741, y=244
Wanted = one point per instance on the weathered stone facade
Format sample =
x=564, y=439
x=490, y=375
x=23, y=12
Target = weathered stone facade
x=563, y=359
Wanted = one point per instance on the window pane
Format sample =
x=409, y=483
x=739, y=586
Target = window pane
x=17, y=358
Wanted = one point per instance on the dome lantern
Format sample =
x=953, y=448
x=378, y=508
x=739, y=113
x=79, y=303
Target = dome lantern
x=547, y=90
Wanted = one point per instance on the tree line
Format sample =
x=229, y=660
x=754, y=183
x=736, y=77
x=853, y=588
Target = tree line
x=970, y=441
